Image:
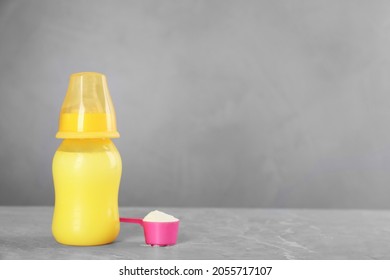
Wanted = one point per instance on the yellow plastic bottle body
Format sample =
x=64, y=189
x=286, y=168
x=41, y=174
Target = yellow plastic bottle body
x=86, y=174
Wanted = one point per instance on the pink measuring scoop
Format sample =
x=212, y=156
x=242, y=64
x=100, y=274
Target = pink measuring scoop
x=156, y=233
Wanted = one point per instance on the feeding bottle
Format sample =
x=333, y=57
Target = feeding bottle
x=87, y=166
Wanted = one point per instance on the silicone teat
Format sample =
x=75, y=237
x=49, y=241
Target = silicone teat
x=87, y=110
x=157, y=233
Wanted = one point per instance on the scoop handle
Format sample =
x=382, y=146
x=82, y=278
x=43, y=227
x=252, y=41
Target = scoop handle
x=132, y=220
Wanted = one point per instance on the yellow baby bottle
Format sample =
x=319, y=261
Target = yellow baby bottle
x=87, y=166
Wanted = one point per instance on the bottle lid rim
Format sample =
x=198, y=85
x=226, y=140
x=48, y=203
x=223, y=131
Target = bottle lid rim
x=97, y=134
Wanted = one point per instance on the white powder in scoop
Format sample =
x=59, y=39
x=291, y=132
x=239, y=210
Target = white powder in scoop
x=157, y=216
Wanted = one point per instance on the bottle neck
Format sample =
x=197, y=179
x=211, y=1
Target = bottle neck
x=86, y=145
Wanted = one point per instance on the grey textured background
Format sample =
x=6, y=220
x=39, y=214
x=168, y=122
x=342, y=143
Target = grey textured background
x=219, y=103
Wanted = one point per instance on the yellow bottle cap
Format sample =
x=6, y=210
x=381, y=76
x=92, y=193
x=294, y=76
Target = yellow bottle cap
x=87, y=110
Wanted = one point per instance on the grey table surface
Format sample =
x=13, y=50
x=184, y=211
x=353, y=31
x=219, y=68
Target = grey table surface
x=213, y=233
